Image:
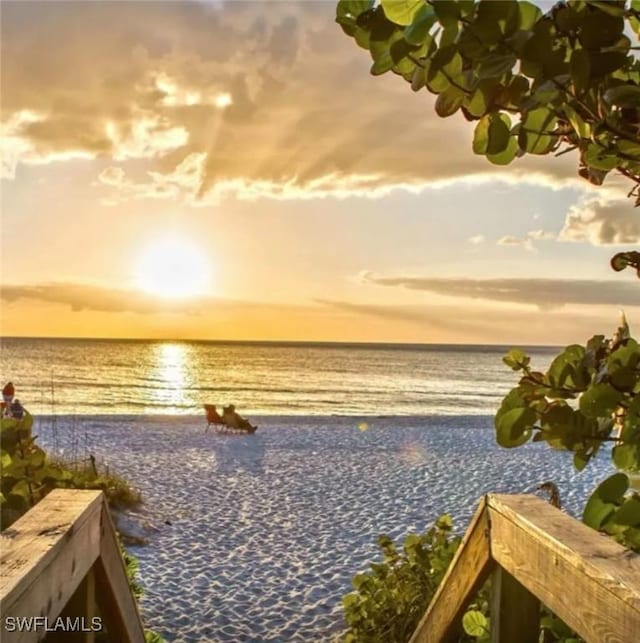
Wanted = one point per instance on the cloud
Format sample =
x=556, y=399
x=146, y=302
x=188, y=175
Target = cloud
x=93, y=297
x=477, y=239
x=544, y=293
x=322, y=319
x=296, y=120
x=602, y=221
x=541, y=235
x=482, y=324
x=510, y=240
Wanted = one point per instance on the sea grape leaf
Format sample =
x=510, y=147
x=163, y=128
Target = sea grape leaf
x=597, y=512
x=402, y=12
x=613, y=488
x=599, y=399
x=628, y=514
x=514, y=426
x=626, y=457
x=417, y=32
x=475, y=623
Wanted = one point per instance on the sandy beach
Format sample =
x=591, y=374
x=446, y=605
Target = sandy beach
x=256, y=538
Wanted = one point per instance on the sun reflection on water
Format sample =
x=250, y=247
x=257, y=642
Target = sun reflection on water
x=170, y=362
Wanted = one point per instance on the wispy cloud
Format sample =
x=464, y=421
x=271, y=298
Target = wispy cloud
x=79, y=297
x=544, y=293
x=483, y=323
x=509, y=240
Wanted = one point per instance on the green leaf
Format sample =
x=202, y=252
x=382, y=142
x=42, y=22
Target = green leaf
x=382, y=65
x=580, y=67
x=630, y=148
x=623, y=96
x=597, y=512
x=5, y=458
x=528, y=15
x=507, y=155
x=599, y=400
x=613, y=488
x=475, y=623
x=599, y=29
x=579, y=461
x=504, y=15
x=447, y=11
x=514, y=426
x=482, y=97
x=535, y=134
x=568, y=370
x=449, y=101
x=516, y=359
x=347, y=12
x=402, y=12
x=492, y=134
x=582, y=128
x=418, y=31
x=612, y=8
x=628, y=514
x=626, y=457
x=496, y=65
x=606, y=62
x=595, y=156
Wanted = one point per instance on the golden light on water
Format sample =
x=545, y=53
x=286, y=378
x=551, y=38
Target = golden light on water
x=173, y=268
x=363, y=426
x=170, y=362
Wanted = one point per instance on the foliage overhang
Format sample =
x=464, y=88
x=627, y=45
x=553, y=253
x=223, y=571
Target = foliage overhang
x=536, y=83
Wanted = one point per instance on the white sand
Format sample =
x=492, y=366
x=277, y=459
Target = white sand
x=267, y=530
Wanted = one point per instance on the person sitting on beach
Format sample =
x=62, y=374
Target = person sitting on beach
x=230, y=417
x=7, y=398
x=235, y=420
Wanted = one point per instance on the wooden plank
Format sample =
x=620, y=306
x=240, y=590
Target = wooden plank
x=45, y=555
x=115, y=599
x=515, y=611
x=469, y=569
x=588, y=580
x=79, y=610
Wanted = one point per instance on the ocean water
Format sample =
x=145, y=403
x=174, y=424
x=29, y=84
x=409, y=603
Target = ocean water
x=96, y=377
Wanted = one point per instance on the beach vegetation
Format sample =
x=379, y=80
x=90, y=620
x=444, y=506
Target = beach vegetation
x=388, y=601
x=29, y=474
x=533, y=82
x=586, y=401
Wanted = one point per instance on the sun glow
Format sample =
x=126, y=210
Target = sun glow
x=173, y=268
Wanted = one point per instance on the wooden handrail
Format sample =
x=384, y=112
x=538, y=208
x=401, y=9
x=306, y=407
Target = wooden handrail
x=62, y=552
x=537, y=555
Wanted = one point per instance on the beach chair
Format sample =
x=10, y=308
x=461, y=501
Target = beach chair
x=215, y=419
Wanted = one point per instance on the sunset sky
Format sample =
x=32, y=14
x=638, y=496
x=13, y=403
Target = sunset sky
x=230, y=170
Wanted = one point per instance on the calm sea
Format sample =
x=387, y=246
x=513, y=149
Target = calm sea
x=87, y=377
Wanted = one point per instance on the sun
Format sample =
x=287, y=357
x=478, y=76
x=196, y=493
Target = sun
x=173, y=268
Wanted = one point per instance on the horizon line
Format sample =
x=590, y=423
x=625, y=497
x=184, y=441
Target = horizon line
x=265, y=342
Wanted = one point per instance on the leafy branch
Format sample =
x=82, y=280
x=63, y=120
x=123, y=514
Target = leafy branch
x=571, y=66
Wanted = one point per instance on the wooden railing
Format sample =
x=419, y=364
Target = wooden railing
x=60, y=562
x=536, y=554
